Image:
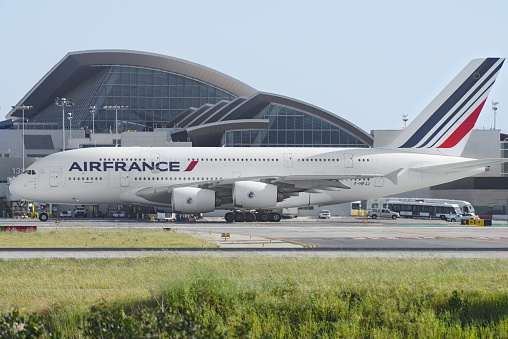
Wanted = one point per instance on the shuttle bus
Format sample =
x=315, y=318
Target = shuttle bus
x=422, y=208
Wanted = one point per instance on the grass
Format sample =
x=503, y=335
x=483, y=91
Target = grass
x=97, y=237
x=267, y=297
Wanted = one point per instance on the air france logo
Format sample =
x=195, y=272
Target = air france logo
x=250, y=195
x=189, y=200
x=121, y=166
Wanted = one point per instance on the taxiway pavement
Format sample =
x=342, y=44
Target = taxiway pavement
x=302, y=236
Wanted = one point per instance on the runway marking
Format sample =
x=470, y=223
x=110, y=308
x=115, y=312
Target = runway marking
x=423, y=237
x=458, y=238
x=296, y=242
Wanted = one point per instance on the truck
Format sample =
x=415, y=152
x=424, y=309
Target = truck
x=80, y=211
x=382, y=213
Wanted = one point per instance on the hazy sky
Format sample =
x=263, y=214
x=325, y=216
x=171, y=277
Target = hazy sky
x=369, y=62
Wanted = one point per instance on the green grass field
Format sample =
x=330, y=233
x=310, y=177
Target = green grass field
x=211, y=296
x=97, y=237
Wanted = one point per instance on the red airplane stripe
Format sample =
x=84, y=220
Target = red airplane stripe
x=463, y=129
x=191, y=166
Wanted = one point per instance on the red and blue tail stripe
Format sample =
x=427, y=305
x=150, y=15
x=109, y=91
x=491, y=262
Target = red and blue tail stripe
x=456, y=113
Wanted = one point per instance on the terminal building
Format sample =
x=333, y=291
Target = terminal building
x=127, y=98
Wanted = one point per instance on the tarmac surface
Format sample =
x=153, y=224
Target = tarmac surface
x=335, y=237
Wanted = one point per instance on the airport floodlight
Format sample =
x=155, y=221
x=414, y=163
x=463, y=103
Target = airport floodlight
x=92, y=111
x=69, y=116
x=63, y=102
x=116, y=108
x=494, y=108
x=23, y=108
x=405, y=119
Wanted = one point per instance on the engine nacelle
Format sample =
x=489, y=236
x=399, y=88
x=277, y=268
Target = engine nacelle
x=192, y=200
x=253, y=195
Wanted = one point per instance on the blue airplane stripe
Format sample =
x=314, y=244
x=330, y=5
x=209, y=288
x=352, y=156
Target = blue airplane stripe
x=451, y=116
x=474, y=103
x=448, y=104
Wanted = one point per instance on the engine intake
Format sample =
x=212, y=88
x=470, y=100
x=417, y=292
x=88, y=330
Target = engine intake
x=255, y=195
x=193, y=200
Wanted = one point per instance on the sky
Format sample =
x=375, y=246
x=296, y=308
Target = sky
x=369, y=62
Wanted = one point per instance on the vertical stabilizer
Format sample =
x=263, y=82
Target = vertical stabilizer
x=446, y=123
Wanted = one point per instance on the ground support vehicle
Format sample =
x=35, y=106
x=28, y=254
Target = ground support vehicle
x=383, y=213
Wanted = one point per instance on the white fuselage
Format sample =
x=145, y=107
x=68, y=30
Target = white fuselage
x=115, y=175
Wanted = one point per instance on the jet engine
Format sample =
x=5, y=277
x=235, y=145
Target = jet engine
x=254, y=195
x=193, y=200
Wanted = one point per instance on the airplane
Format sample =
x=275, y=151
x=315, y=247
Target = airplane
x=253, y=183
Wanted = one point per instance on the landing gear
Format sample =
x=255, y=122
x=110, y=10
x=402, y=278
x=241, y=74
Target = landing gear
x=239, y=217
x=274, y=217
x=260, y=216
x=250, y=217
x=43, y=216
x=230, y=217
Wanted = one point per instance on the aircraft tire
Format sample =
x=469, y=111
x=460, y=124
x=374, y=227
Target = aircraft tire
x=43, y=217
x=262, y=217
x=275, y=217
x=239, y=217
x=230, y=217
x=249, y=217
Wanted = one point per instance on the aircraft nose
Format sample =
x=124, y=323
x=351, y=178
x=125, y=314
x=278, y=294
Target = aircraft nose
x=16, y=187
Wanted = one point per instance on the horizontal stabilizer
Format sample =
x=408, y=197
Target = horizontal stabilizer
x=459, y=166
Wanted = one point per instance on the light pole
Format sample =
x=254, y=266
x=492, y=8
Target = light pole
x=23, y=108
x=494, y=108
x=405, y=119
x=92, y=110
x=63, y=102
x=70, y=125
x=116, y=108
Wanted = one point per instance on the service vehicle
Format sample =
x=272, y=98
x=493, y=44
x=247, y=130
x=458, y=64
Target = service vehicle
x=66, y=214
x=80, y=212
x=383, y=213
x=460, y=217
x=324, y=214
x=118, y=214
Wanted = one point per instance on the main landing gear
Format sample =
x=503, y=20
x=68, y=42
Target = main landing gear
x=261, y=216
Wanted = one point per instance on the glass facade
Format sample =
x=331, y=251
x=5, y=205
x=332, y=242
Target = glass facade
x=289, y=127
x=154, y=98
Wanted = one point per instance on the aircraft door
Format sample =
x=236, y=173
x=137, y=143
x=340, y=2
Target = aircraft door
x=379, y=182
x=288, y=160
x=348, y=160
x=54, y=179
x=124, y=179
x=155, y=157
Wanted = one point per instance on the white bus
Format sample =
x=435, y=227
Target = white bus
x=421, y=208
x=465, y=206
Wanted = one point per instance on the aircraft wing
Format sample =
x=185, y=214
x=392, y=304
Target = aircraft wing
x=290, y=185
x=459, y=166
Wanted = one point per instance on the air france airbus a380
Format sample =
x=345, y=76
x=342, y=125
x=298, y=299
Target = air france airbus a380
x=251, y=182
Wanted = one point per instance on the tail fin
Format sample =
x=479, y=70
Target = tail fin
x=445, y=124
